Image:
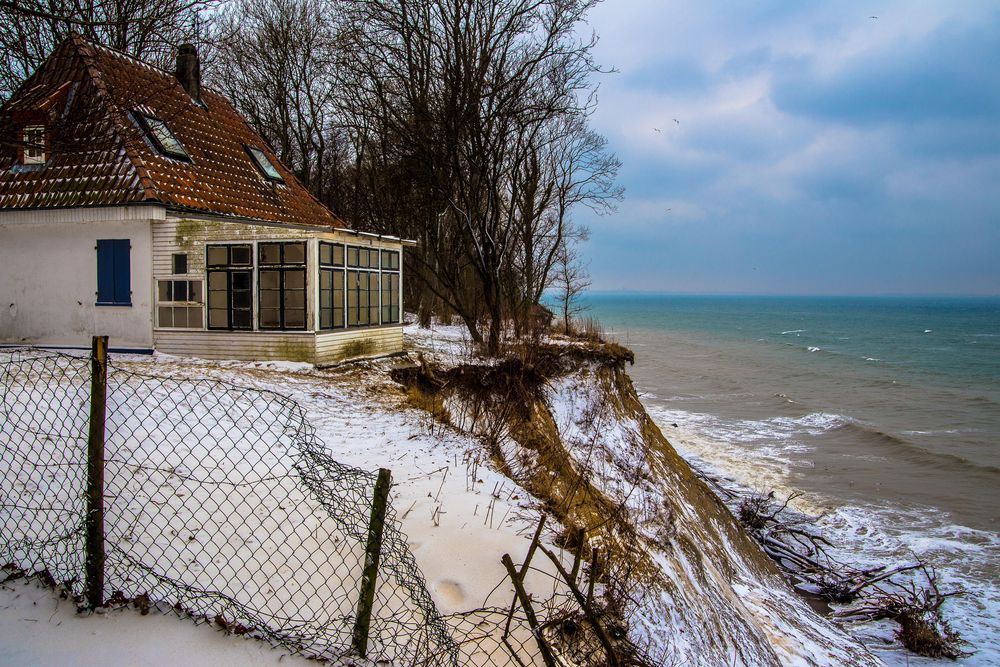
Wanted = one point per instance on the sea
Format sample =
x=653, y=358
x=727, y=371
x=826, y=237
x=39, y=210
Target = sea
x=883, y=412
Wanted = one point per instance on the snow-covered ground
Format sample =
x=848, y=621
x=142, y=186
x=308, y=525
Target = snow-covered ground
x=459, y=515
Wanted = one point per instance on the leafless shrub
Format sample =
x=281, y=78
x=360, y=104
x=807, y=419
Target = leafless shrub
x=916, y=607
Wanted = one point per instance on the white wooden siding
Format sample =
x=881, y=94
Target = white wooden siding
x=321, y=349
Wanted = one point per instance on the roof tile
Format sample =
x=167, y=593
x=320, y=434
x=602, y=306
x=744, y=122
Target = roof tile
x=99, y=156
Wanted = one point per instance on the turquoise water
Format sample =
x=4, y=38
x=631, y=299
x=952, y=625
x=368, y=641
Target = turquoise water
x=955, y=340
x=883, y=412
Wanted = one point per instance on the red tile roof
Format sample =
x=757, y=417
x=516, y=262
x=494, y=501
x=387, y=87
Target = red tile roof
x=85, y=94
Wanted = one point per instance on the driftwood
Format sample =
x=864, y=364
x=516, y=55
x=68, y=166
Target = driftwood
x=870, y=593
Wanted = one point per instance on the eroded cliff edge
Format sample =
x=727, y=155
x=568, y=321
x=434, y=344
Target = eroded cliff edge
x=679, y=573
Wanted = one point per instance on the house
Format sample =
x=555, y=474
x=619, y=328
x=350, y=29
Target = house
x=138, y=204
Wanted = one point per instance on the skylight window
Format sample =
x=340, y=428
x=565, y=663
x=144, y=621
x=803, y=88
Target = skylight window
x=159, y=134
x=264, y=165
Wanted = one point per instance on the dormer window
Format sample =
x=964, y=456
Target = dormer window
x=34, y=149
x=158, y=133
x=264, y=164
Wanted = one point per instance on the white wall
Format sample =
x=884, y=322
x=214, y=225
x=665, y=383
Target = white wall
x=48, y=277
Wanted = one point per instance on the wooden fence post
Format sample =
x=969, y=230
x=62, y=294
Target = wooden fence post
x=522, y=596
x=94, y=563
x=373, y=551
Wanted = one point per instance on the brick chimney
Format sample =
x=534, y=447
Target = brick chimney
x=189, y=71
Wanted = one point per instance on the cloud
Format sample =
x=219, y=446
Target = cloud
x=945, y=75
x=817, y=150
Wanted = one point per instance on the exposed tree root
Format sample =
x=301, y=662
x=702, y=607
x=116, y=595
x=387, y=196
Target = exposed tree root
x=873, y=593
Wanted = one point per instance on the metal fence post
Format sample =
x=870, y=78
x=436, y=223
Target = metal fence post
x=95, y=473
x=373, y=550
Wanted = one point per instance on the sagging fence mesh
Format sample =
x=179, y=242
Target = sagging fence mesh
x=219, y=501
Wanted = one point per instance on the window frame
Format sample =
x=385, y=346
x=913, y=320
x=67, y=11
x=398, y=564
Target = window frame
x=283, y=268
x=28, y=144
x=263, y=163
x=189, y=304
x=229, y=269
x=333, y=268
x=145, y=122
x=174, y=270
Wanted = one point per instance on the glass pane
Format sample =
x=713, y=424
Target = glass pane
x=241, y=280
x=325, y=299
x=338, y=255
x=241, y=299
x=295, y=318
x=240, y=255
x=325, y=319
x=165, y=316
x=270, y=299
x=163, y=290
x=180, y=317
x=386, y=314
x=352, y=256
x=270, y=280
x=295, y=279
x=196, y=291
x=295, y=298
x=270, y=317
x=338, y=280
x=264, y=163
x=325, y=254
x=164, y=136
x=325, y=279
x=218, y=255
x=270, y=253
x=180, y=263
x=295, y=253
x=194, y=318
x=180, y=290
x=241, y=319
x=218, y=318
x=338, y=317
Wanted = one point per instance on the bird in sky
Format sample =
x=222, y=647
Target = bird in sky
x=676, y=121
x=873, y=17
x=656, y=129
x=669, y=210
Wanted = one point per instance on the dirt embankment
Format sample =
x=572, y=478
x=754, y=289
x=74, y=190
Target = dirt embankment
x=678, y=571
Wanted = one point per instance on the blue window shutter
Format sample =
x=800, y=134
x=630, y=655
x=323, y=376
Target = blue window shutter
x=113, y=272
x=123, y=281
x=105, y=271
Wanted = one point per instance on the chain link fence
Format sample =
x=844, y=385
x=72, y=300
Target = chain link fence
x=218, y=501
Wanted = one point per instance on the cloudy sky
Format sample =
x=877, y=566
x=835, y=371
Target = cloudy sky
x=799, y=147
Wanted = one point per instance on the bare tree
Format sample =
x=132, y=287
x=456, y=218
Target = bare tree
x=571, y=281
x=277, y=64
x=468, y=96
x=147, y=29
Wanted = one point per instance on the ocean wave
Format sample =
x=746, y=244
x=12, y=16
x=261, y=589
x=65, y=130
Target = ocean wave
x=812, y=348
x=793, y=331
x=900, y=448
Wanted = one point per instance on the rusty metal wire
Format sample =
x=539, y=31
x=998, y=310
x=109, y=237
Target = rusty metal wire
x=220, y=503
